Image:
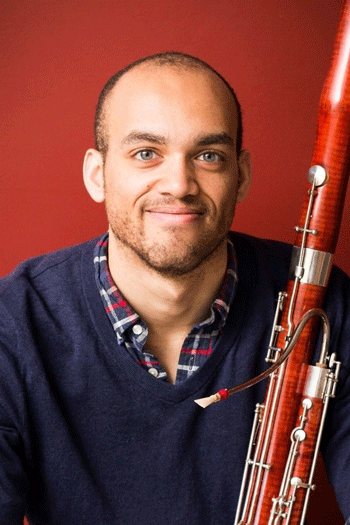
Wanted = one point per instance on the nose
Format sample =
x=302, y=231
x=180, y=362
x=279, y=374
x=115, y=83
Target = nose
x=178, y=178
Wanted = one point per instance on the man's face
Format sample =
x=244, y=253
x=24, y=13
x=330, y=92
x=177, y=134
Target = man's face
x=171, y=172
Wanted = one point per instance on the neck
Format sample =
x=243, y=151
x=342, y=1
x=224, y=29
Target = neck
x=176, y=301
x=169, y=305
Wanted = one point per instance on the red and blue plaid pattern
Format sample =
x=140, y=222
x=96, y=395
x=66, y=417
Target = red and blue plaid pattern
x=131, y=331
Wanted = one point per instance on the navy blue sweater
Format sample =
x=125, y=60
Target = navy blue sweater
x=88, y=437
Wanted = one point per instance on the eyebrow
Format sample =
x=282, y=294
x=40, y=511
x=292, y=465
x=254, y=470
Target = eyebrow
x=138, y=136
x=215, y=138
x=204, y=140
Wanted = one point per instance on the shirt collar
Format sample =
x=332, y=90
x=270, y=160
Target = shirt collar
x=123, y=317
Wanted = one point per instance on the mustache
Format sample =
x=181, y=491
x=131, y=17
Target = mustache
x=190, y=203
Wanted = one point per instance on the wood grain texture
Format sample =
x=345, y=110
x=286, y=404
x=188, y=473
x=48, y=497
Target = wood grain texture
x=273, y=443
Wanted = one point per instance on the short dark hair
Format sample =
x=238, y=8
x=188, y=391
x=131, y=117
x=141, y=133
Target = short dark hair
x=172, y=58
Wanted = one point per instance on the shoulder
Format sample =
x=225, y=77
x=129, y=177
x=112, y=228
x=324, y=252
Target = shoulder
x=261, y=247
x=277, y=255
x=36, y=266
x=31, y=268
x=266, y=259
x=50, y=274
x=269, y=260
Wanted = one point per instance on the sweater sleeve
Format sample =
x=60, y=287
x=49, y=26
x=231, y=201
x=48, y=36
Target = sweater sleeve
x=13, y=484
x=12, y=477
x=336, y=434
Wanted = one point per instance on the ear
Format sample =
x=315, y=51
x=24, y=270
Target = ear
x=93, y=175
x=245, y=174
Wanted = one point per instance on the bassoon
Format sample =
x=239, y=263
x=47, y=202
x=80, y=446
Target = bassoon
x=287, y=428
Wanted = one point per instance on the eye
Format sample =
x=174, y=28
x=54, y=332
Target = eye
x=210, y=156
x=145, y=154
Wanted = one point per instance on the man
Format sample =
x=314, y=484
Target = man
x=170, y=187
x=105, y=346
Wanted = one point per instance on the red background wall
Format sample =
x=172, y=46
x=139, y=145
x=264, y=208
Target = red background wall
x=56, y=55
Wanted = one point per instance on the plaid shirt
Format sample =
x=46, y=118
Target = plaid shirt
x=131, y=331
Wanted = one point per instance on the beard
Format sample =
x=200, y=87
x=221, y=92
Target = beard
x=174, y=257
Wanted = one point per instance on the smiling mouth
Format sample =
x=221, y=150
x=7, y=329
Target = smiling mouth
x=177, y=215
x=176, y=210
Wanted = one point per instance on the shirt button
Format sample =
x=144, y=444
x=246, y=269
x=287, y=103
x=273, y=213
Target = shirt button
x=153, y=372
x=137, y=329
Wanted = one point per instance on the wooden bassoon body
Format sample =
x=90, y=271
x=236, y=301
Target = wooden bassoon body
x=279, y=471
x=283, y=449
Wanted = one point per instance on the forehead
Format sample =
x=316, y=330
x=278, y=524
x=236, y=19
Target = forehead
x=165, y=99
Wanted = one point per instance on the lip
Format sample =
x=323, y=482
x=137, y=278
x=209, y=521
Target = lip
x=175, y=215
x=175, y=210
